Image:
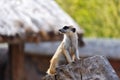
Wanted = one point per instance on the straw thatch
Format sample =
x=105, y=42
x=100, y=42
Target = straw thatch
x=21, y=18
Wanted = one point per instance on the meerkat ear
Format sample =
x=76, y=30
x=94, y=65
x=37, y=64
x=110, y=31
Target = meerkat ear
x=73, y=29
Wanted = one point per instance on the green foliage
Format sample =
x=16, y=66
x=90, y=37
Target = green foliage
x=99, y=18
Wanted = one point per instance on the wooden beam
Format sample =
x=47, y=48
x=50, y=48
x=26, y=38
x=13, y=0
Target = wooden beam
x=16, y=61
x=41, y=36
x=99, y=46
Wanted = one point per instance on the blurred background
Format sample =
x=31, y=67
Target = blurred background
x=99, y=18
x=29, y=34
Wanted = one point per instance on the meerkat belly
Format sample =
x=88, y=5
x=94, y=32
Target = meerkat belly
x=70, y=47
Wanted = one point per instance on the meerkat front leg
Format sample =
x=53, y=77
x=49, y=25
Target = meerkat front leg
x=77, y=54
x=67, y=55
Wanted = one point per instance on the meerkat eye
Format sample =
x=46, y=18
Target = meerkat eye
x=65, y=27
x=73, y=29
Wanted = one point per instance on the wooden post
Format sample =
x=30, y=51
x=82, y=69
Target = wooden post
x=16, y=61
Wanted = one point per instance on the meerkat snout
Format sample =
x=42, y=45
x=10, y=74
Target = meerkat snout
x=61, y=31
x=67, y=29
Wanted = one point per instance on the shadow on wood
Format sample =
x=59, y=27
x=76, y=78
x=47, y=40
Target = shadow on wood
x=91, y=68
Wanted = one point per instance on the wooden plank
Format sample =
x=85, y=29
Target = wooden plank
x=91, y=68
x=16, y=61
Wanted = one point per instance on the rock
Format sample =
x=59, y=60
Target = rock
x=91, y=68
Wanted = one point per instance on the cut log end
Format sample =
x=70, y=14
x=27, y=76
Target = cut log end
x=91, y=68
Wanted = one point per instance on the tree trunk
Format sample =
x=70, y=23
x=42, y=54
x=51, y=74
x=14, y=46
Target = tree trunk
x=92, y=68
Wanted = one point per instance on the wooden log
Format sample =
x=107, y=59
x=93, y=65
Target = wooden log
x=91, y=68
x=16, y=61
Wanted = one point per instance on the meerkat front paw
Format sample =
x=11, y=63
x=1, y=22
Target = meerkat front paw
x=77, y=59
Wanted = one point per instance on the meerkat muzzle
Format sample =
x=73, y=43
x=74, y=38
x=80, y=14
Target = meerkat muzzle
x=61, y=31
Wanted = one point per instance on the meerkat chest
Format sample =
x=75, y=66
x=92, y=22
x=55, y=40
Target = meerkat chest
x=69, y=43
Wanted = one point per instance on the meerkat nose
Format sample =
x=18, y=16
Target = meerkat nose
x=60, y=30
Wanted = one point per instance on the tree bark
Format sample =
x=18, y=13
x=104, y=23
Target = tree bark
x=91, y=68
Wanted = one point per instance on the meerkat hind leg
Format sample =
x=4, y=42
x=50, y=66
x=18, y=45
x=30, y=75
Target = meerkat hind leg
x=54, y=63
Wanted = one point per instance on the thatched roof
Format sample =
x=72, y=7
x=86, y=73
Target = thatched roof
x=25, y=17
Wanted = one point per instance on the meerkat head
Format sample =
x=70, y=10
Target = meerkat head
x=67, y=30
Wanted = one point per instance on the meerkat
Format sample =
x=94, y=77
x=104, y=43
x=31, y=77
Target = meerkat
x=68, y=48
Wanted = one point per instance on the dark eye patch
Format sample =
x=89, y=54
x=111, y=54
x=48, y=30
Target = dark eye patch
x=73, y=29
x=65, y=27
